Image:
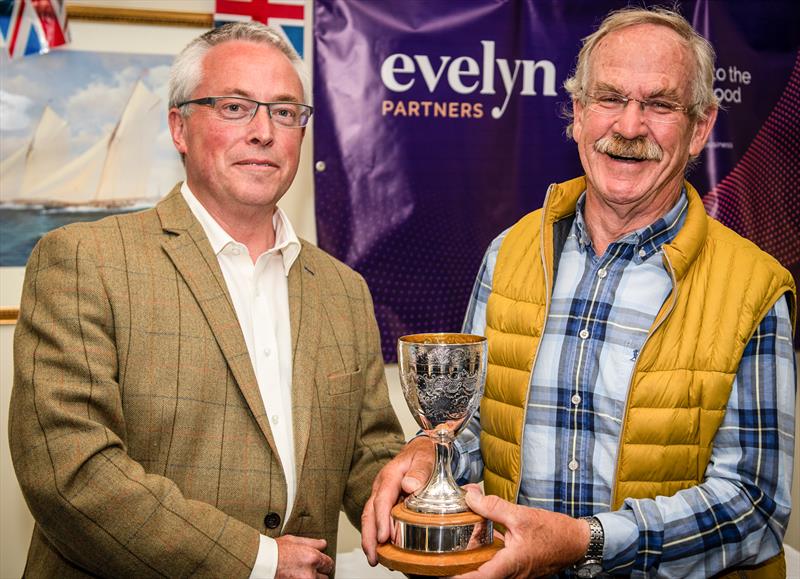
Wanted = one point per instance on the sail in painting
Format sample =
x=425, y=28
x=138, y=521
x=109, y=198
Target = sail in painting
x=113, y=172
x=41, y=156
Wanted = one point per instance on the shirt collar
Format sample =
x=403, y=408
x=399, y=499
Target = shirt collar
x=647, y=240
x=286, y=240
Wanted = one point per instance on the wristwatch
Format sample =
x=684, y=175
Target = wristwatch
x=591, y=565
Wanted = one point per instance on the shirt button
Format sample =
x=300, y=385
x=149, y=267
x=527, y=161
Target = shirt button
x=267, y=352
x=583, y=334
x=275, y=419
x=576, y=399
x=642, y=253
x=602, y=273
x=573, y=465
x=272, y=520
x=236, y=251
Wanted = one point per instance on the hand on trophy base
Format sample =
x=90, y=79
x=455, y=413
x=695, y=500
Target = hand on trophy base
x=438, y=545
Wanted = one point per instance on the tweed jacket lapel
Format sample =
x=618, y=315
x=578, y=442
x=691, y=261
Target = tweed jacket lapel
x=190, y=251
x=304, y=311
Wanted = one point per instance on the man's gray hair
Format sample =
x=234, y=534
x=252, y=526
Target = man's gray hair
x=187, y=70
x=702, y=82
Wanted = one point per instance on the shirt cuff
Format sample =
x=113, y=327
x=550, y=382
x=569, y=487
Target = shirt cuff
x=266, y=564
x=619, y=534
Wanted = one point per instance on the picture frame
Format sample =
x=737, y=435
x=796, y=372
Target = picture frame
x=105, y=14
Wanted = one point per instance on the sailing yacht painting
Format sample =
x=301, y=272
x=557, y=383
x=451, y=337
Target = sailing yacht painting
x=82, y=135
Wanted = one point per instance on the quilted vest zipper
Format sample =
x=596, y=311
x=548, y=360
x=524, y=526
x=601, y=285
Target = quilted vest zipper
x=674, y=296
x=538, y=345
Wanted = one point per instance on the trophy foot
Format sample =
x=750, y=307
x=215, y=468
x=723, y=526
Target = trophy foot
x=438, y=545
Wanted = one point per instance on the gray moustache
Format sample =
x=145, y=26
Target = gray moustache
x=639, y=148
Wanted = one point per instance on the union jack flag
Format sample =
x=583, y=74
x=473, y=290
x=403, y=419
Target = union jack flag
x=286, y=16
x=32, y=26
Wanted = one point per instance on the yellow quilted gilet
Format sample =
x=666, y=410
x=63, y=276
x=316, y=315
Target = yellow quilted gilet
x=723, y=286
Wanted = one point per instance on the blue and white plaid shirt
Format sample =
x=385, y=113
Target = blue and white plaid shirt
x=601, y=311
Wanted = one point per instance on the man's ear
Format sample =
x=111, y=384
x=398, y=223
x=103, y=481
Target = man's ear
x=177, y=128
x=577, y=119
x=701, y=131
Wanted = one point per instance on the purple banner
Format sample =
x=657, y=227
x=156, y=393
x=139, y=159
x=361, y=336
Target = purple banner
x=438, y=124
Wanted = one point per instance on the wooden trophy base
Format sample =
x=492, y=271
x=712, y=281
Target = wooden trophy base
x=432, y=563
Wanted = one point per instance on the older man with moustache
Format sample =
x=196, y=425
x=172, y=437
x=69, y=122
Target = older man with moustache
x=198, y=392
x=637, y=417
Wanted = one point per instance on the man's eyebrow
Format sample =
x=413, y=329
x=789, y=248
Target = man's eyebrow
x=606, y=87
x=667, y=93
x=285, y=97
x=237, y=92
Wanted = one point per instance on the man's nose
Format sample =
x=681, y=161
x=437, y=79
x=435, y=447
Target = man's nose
x=261, y=128
x=631, y=122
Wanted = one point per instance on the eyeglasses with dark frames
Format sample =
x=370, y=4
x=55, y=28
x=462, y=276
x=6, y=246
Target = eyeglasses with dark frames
x=241, y=110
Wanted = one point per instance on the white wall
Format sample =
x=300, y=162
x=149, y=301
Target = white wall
x=16, y=522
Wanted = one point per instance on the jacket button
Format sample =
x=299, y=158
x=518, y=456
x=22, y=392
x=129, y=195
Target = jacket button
x=272, y=520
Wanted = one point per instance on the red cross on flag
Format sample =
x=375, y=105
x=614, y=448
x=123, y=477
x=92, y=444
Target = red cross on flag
x=286, y=16
x=32, y=26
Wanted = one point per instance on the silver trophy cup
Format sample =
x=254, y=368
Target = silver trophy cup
x=442, y=376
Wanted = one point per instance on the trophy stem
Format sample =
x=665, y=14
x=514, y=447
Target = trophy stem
x=441, y=495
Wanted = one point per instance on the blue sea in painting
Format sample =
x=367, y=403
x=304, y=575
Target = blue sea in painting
x=20, y=229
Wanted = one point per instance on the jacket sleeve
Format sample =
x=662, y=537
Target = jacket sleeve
x=379, y=437
x=67, y=432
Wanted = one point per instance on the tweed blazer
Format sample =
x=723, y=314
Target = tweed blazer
x=137, y=429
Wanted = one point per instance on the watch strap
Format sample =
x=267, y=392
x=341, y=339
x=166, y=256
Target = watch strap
x=591, y=564
x=596, y=539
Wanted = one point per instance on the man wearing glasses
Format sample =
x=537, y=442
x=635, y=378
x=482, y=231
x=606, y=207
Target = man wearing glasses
x=197, y=391
x=638, y=412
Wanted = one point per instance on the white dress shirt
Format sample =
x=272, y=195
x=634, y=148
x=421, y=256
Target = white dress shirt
x=260, y=295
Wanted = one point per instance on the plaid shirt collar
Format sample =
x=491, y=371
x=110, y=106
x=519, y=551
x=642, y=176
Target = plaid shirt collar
x=647, y=240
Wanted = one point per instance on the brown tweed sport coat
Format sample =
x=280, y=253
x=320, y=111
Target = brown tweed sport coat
x=137, y=430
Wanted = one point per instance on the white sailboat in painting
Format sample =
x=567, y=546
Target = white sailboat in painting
x=44, y=153
x=114, y=172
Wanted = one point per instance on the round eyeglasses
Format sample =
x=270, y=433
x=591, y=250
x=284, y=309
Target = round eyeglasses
x=655, y=109
x=241, y=110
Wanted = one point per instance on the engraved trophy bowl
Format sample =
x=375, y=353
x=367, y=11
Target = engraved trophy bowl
x=442, y=376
